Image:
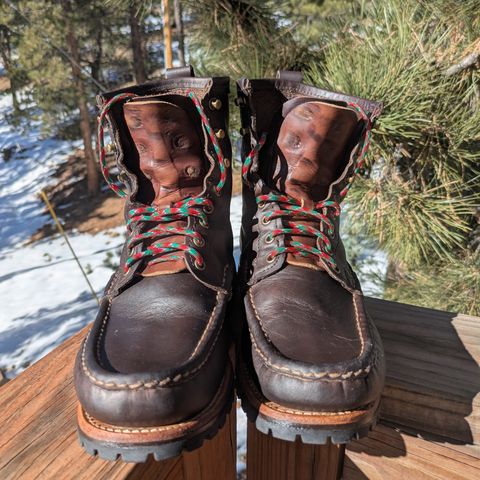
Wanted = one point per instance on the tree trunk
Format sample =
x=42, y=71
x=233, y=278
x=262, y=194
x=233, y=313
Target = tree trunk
x=97, y=59
x=6, y=56
x=167, y=35
x=136, y=38
x=177, y=11
x=90, y=157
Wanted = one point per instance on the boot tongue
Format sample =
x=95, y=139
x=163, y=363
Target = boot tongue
x=311, y=153
x=171, y=162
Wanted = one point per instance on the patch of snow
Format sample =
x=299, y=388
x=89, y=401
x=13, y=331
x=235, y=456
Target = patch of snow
x=236, y=222
x=45, y=296
x=241, y=441
x=32, y=161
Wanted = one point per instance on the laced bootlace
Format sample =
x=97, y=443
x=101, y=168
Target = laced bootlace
x=198, y=207
x=291, y=208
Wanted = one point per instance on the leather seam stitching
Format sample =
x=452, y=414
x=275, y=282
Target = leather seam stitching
x=159, y=383
x=212, y=315
x=332, y=375
x=311, y=375
x=102, y=330
x=299, y=373
x=180, y=425
x=93, y=422
x=357, y=321
x=275, y=406
x=257, y=316
x=280, y=408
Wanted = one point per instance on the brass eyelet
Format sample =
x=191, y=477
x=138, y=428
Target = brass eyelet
x=199, y=266
x=227, y=162
x=215, y=104
x=268, y=238
x=261, y=205
x=220, y=133
x=199, y=242
x=270, y=258
x=208, y=209
x=265, y=220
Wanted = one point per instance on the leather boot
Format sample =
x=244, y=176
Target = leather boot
x=311, y=362
x=153, y=375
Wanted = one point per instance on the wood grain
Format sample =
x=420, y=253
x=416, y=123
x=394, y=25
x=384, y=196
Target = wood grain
x=433, y=369
x=390, y=454
x=271, y=459
x=38, y=438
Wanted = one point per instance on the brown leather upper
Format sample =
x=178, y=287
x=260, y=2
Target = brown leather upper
x=311, y=152
x=169, y=149
x=158, y=349
x=310, y=344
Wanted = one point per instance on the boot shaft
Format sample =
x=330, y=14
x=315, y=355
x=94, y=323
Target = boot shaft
x=310, y=144
x=173, y=155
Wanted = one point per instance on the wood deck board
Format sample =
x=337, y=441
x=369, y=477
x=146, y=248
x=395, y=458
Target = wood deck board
x=269, y=458
x=433, y=369
x=387, y=453
x=38, y=433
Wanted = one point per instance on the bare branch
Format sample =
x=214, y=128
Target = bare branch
x=467, y=62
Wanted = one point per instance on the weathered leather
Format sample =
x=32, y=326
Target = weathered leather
x=169, y=148
x=310, y=344
x=158, y=349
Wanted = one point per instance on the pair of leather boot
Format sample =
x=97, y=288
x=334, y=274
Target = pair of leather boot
x=155, y=374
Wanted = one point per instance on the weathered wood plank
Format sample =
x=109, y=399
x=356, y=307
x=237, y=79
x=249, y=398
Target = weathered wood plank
x=38, y=438
x=433, y=369
x=388, y=453
x=271, y=459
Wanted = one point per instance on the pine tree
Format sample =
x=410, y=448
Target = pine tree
x=9, y=26
x=80, y=95
x=137, y=40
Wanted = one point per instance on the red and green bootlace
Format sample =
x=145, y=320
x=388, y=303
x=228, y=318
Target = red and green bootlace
x=290, y=208
x=197, y=207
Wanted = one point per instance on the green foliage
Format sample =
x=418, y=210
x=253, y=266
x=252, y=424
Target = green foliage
x=414, y=226
x=419, y=196
x=49, y=74
x=420, y=192
x=41, y=52
x=242, y=38
x=453, y=286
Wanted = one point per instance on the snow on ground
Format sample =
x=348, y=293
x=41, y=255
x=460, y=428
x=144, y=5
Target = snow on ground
x=41, y=290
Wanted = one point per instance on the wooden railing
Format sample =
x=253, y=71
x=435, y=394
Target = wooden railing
x=429, y=429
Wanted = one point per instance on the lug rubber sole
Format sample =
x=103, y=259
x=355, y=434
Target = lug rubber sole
x=136, y=444
x=311, y=427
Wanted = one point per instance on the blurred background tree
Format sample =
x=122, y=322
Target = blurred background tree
x=418, y=199
x=67, y=52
